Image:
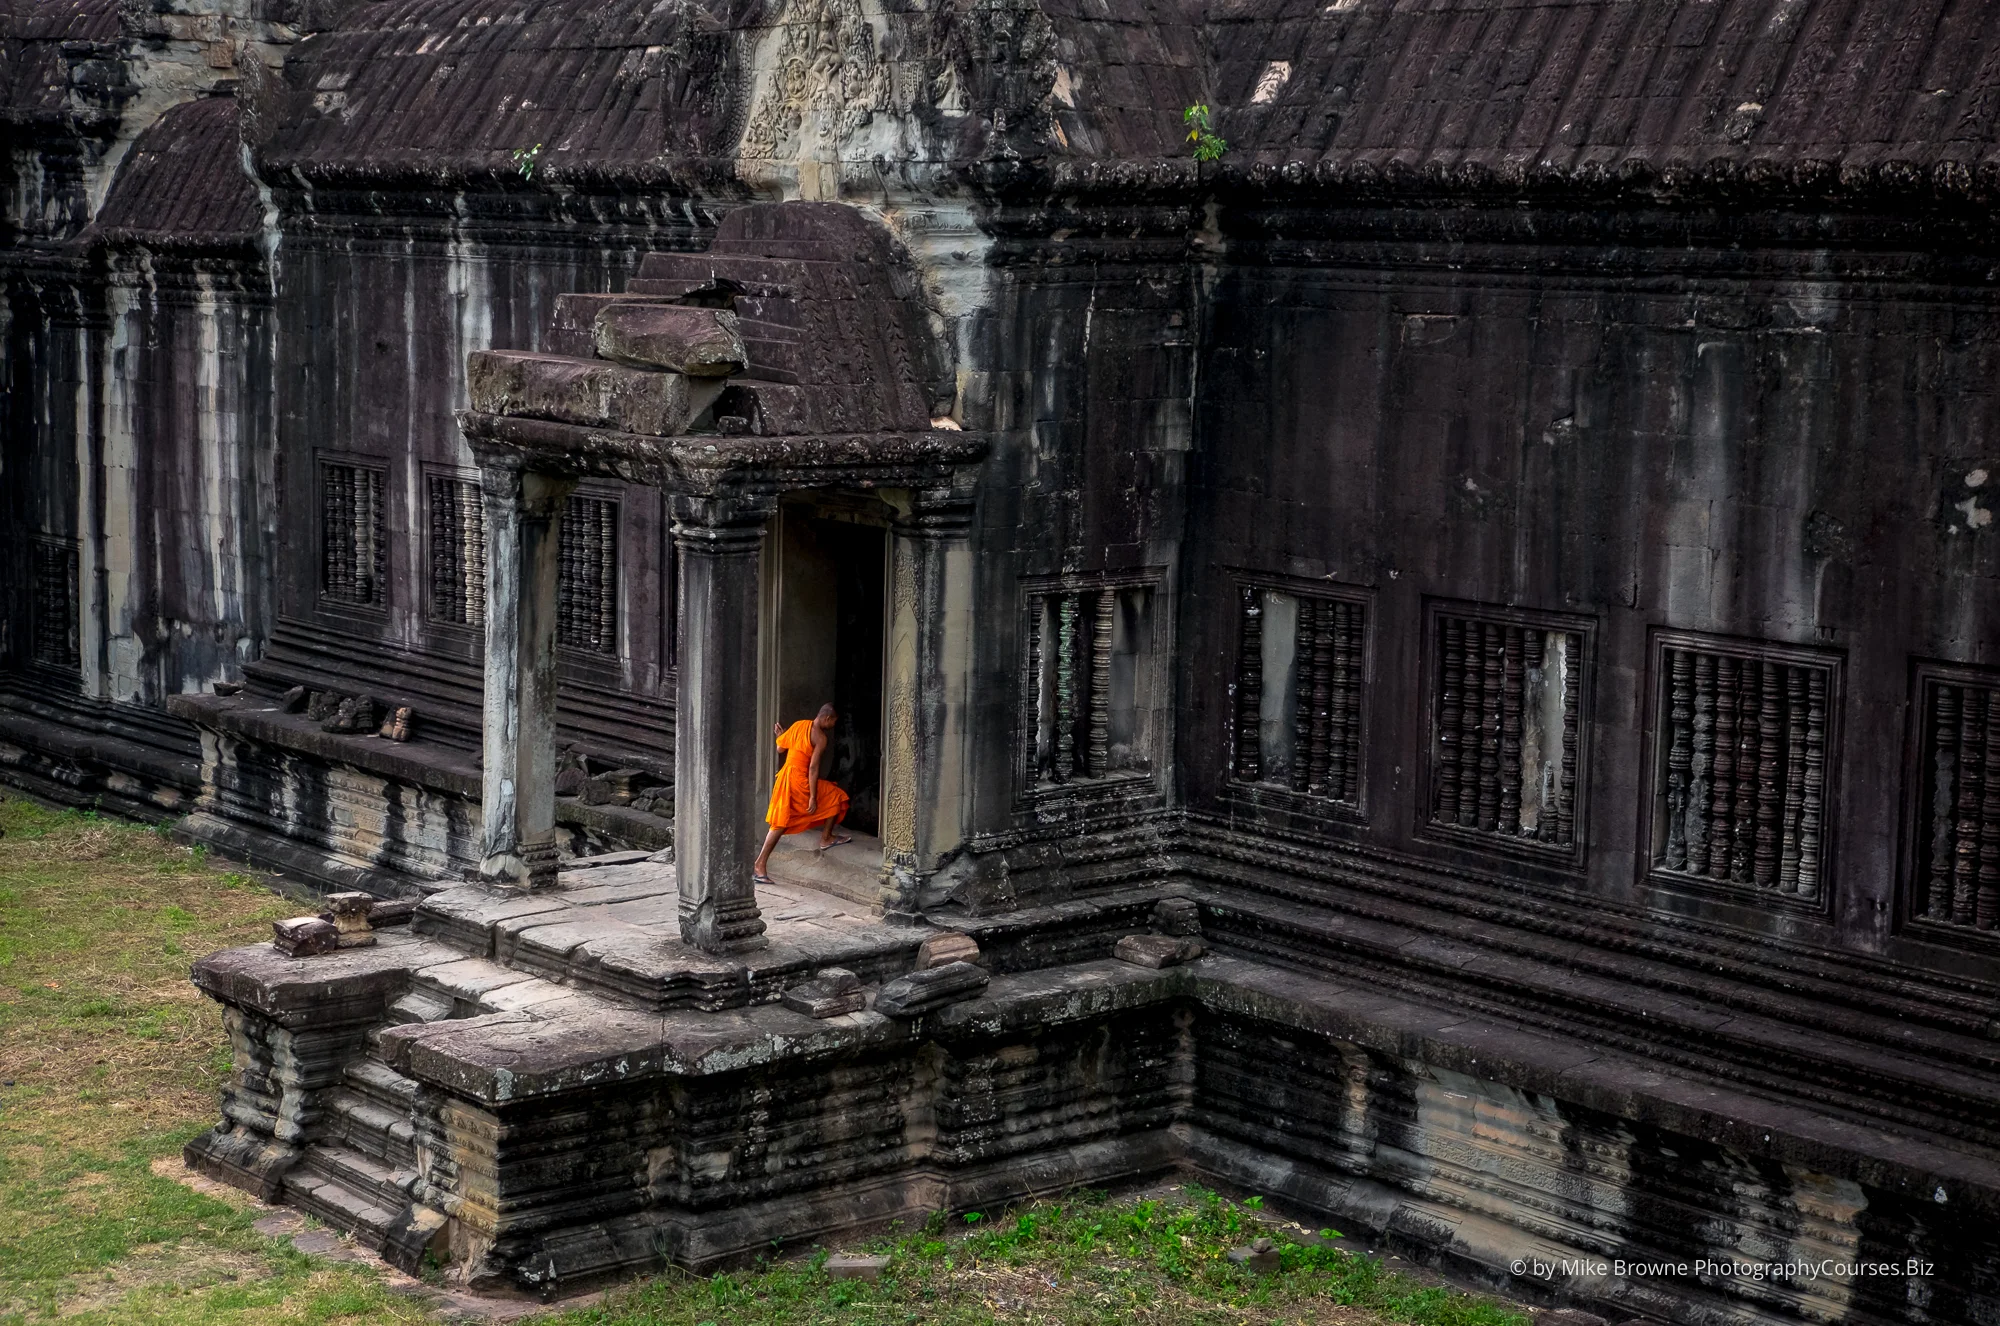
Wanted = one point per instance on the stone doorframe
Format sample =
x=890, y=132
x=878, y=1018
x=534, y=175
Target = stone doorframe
x=724, y=492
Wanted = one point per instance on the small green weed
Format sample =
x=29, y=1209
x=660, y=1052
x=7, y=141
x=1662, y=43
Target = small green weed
x=1208, y=145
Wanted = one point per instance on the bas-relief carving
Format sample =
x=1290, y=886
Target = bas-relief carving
x=842, y=85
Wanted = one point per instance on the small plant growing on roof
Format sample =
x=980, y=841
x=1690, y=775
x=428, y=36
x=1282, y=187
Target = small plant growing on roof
x=525, y=160
x=1208, y=145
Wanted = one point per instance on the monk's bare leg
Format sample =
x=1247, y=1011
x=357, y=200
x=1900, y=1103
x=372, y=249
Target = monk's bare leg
x=826, y=834
x=763, y=866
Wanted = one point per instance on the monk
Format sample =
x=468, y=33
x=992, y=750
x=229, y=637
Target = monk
x=801, y=799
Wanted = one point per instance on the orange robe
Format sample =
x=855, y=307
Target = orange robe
x=792, y=791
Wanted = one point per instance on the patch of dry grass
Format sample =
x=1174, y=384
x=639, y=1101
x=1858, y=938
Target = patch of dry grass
x=109, y=1060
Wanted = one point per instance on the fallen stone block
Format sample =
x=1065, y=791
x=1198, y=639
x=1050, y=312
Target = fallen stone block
x=1260, y=1257
x=855, y=1266
x=1158, y=950
x=417, y=1230
x=396, y=724
x=322, y=705
x=349, y=915
x=356, y=713
x=832, y=992
x=700, y=342
x=591, y=392
x=1177, y=916
x=941, y=949
x=304, y=936
x=574, y=318
x=920, y=992
x=294, y=700
x=624, y=785
x=390, y=911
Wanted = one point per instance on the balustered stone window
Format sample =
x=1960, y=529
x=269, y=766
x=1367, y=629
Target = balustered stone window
x=458, y=551
x=1740, y=759
x=1092, y=684
x=53, y=627
x=352, y=546
x=1955, y=875
x=1300, y=676
x=587, y=576
x=1507, y=729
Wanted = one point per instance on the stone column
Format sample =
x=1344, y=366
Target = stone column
x=718, y=806
x=930, y=657
x=523, y=543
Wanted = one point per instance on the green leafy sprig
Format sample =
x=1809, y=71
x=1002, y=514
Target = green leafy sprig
x=1208, y=144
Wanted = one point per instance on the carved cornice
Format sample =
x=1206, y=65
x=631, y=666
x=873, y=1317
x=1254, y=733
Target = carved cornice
x=723, y=466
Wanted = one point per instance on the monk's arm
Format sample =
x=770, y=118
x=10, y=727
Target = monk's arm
x=812, y=771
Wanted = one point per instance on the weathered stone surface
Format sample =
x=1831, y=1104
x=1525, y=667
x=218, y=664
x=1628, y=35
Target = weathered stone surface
x=920, y=992
x=855, y=1266
x=1260, y=1256
x=832, y=992
x=304, y=936
x=390, y=911
x=941, y=949
x=1157, y=950
x=1177, y=916
x=582, y=391
x=698, y=342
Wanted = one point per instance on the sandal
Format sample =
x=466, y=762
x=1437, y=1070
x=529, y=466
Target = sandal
x=756, y=879
x=833, y=842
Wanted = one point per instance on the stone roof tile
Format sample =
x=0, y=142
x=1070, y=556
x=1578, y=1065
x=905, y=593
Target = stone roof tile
x=184, y=182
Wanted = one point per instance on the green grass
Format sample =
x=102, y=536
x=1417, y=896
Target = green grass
x=1087, y=1258
x=109, y=1062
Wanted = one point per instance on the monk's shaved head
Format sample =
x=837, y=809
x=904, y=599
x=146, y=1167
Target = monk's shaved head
x=826, y=711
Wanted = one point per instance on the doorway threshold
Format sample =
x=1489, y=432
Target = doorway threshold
x=852, y=871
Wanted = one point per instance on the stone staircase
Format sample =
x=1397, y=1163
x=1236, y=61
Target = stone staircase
x=360, y=1173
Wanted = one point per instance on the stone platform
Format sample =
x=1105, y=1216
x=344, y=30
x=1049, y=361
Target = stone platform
x=550, y=1091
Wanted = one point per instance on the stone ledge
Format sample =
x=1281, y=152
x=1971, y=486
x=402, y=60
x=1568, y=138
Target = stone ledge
x=1623, y=1086
x=343, y=986
x=438, y=768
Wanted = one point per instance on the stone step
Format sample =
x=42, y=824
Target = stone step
x=421, y=1006
x=382, y=1084
x=379, y=1131
x=349, y=1191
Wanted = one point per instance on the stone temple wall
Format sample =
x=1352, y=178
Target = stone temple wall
x=1527, y=501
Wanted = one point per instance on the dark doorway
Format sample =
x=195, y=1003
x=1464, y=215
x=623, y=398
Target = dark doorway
x=830, y=620
x=859, y=553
